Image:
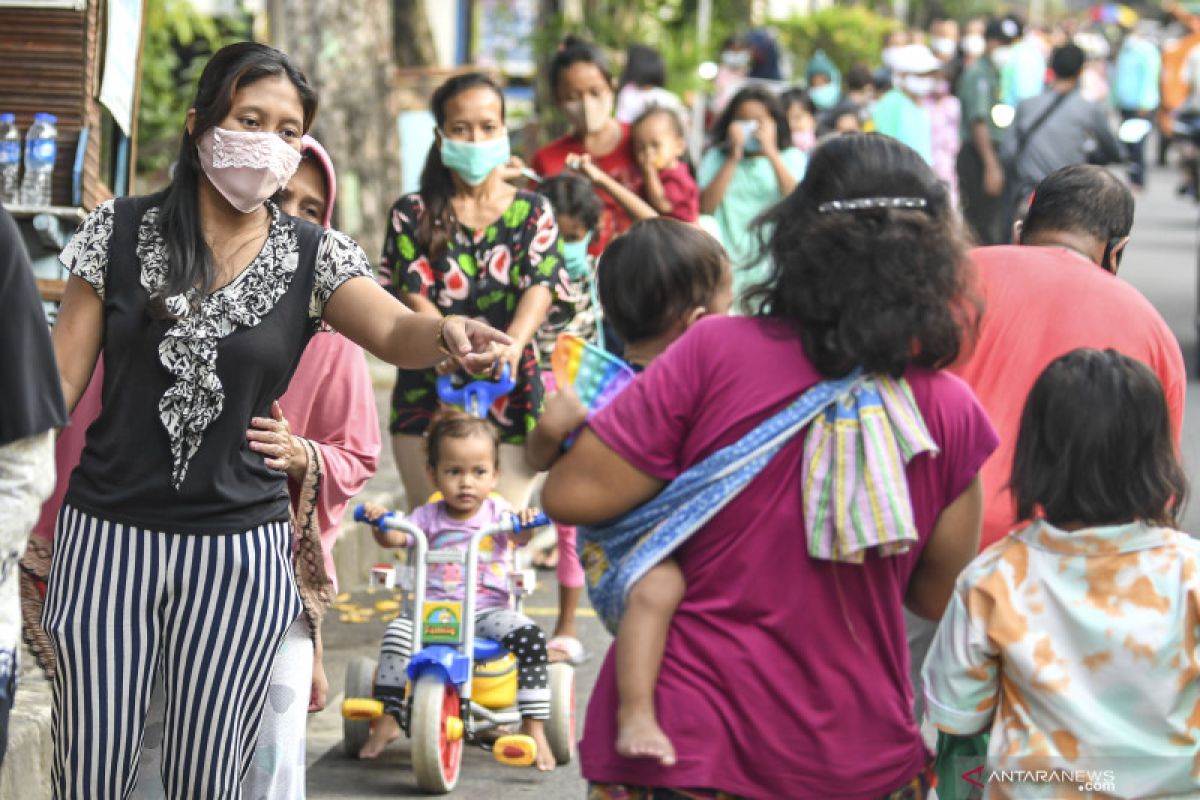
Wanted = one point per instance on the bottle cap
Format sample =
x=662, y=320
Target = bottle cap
x=9, y=118
x=45, y=118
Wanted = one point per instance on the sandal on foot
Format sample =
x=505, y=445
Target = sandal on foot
x=569, y=646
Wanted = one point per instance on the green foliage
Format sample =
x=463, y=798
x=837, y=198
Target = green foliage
x=669, y=25
x=177, y=43
x=848, y=35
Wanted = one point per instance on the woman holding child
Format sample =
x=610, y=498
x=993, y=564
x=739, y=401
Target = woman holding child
x=785, y=670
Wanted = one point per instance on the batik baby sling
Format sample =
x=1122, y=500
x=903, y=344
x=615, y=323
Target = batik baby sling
x=864, y=430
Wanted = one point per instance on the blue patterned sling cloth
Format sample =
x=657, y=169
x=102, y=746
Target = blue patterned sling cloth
x=865, y=430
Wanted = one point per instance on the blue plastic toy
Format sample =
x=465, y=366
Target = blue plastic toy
x=477, y=396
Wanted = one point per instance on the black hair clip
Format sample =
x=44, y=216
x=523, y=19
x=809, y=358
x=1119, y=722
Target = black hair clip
x=864, y=203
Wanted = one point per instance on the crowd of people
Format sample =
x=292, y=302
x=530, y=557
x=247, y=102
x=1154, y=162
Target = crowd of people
x=886, y=460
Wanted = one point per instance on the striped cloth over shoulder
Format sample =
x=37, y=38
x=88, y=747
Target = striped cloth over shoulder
x=855, y=488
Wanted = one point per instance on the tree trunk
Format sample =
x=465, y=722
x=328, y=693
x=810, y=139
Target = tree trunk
x=346, y=50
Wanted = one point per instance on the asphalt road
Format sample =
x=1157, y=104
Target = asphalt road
x=1161, y=262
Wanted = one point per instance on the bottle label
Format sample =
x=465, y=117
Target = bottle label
x=44, y=150
x=10, y=153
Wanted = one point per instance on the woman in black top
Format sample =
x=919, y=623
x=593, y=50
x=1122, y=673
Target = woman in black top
x=173, y=550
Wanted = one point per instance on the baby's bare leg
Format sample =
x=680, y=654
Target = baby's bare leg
x=641, y=641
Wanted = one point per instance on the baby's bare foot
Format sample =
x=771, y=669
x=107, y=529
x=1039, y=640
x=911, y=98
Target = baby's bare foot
x=534, y=728
x=385, y=731
x=638, y=736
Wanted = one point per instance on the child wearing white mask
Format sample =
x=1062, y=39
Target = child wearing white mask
x=901, y=113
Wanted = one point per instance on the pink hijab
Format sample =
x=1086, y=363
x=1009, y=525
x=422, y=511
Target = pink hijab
x=311, y=147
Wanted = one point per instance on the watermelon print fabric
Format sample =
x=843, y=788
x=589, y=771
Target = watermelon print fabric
x=482, y=274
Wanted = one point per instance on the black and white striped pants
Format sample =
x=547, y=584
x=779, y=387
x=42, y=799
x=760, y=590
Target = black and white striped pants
x=209, y=612
x=517, y=632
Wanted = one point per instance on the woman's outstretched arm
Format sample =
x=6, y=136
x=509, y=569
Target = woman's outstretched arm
x=362, y=311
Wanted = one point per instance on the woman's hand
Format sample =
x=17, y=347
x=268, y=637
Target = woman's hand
x=473, y=346
x=509, y=357
x=513, y=171
x=562, y=414
x=768, y=137
x=737, y=140
x=319, y=692
x=582, y=163
x=274, y=440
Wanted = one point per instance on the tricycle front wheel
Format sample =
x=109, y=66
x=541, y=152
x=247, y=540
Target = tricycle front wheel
x=436, y=731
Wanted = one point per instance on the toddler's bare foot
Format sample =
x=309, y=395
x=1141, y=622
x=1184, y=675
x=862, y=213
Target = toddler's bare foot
x=385, y=731
x=545, y=756
x=638, y=736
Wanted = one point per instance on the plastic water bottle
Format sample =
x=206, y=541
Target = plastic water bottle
x=10, y=160
x=41, y=149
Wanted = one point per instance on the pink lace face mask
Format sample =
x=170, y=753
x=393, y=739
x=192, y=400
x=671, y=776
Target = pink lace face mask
x=246, y=167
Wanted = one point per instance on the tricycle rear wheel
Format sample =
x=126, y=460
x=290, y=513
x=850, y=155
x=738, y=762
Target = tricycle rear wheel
x=560, y=730
x=360, y=682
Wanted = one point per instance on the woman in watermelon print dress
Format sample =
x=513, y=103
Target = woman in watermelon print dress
x=470, y=243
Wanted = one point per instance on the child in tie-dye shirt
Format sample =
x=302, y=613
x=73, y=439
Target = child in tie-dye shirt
x=1074, y=639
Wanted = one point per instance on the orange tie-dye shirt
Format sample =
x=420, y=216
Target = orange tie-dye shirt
x=1079, y=651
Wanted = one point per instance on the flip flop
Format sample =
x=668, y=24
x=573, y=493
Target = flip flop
x=569, y=646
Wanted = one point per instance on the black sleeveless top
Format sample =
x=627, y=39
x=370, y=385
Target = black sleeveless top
x=169, y=450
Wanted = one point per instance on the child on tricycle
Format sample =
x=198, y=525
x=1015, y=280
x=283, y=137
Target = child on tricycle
x=462, y=462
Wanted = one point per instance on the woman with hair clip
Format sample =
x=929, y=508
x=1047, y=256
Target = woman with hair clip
x=469, y=243
x=812, y=471
x=173, y=561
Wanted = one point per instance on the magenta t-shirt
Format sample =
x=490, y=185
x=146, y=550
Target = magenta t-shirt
x=783, y=676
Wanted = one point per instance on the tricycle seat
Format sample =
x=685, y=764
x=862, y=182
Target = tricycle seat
x=488, y=650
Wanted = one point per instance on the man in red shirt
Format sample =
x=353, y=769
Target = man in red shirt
x=1056, y=292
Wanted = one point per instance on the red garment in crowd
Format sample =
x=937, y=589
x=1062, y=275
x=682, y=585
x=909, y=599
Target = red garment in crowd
x=1041, y=303
x=681, y=192
x=620, y=164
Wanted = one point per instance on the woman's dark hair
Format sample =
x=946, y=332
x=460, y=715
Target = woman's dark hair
x=644, y=66
x=450, y=422
x=800, y=97
x=759, y=94
x=572, y=195
x=655, y=273
x=876, y=288
x=189, y=259
x=572, y=51
x=437, y=182
x=1095, y=445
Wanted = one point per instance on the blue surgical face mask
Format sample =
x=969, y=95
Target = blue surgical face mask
x=474, y=161
x=575, y=256
x=824, y=97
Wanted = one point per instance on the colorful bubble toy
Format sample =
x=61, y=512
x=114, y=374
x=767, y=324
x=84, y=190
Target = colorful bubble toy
x=596, y=376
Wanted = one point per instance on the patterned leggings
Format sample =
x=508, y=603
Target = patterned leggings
x=517, y=632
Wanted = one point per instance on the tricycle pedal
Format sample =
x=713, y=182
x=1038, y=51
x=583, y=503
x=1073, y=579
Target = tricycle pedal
x=515, y=750
x=362, y=708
